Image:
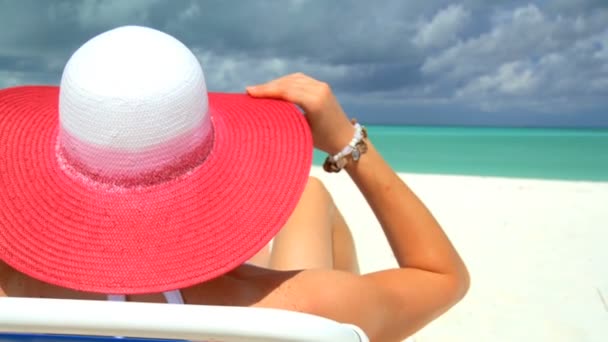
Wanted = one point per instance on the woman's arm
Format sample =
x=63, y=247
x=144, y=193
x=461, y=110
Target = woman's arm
x=431, y=277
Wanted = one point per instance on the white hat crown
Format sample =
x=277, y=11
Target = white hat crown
x=133, y=102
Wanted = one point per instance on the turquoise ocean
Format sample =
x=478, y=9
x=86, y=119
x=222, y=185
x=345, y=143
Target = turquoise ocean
x=561, y=154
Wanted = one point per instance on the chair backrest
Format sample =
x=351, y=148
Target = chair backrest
x=54, y=320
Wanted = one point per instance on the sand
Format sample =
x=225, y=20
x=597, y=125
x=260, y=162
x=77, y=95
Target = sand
x=535, y=250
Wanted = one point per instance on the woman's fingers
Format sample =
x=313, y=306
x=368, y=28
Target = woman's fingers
x=298, y=88
x=288, y=88
x=269, y=90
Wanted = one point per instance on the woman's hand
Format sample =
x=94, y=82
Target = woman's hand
x=331, y=129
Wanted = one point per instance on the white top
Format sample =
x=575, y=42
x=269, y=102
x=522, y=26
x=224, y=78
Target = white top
x=172, y=297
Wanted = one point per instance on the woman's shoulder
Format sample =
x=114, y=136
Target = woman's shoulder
x=312, y=291
x=338, y=295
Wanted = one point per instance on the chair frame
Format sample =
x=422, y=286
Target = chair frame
x=168, y=321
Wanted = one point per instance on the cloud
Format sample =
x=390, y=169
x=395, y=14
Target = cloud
x=513, y=78
x=101, y=14
x=234, y=73
x=522, y=32
x=527, y=57
x=443, y=28
x=475, y=59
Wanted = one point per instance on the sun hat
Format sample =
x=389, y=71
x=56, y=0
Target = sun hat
x=131, y=178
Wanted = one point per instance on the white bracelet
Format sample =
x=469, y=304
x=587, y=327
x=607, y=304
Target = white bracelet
x=353, y=143
x=355, y=149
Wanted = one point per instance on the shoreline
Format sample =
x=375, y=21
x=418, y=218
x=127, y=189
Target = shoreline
x=498, y=177
x=501, y=177
x=534, y=248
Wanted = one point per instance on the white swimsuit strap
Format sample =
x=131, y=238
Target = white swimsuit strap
x=117, y=298
x=172, y=297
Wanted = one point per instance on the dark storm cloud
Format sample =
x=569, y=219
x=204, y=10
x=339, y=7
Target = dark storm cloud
x=511, y=62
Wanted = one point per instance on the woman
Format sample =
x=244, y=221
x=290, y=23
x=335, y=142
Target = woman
x=312, y=267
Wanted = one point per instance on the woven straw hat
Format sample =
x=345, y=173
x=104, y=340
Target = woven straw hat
x=131, y=178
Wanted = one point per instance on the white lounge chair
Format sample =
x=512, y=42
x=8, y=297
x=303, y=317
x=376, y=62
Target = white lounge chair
x=32, y=319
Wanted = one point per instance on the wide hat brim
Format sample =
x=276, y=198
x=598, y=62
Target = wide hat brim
x=67, y=232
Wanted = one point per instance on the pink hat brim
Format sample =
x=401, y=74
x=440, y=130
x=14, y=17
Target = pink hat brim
x=155, y=238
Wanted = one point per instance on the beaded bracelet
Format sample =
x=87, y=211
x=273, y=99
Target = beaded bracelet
x=352, y=151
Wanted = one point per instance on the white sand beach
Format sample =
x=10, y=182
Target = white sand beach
x=535, y=250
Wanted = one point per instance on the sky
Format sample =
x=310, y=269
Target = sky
x=491, y=63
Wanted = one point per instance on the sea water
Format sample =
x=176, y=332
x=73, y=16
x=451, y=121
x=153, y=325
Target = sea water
x=567, y=154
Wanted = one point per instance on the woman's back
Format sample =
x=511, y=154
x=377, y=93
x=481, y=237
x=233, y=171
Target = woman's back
x=235, y=289
x=247, y=285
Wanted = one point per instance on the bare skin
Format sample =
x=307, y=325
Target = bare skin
x=313, y=264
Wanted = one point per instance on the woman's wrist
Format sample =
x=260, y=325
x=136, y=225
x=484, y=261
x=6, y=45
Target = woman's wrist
x=342, y=137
